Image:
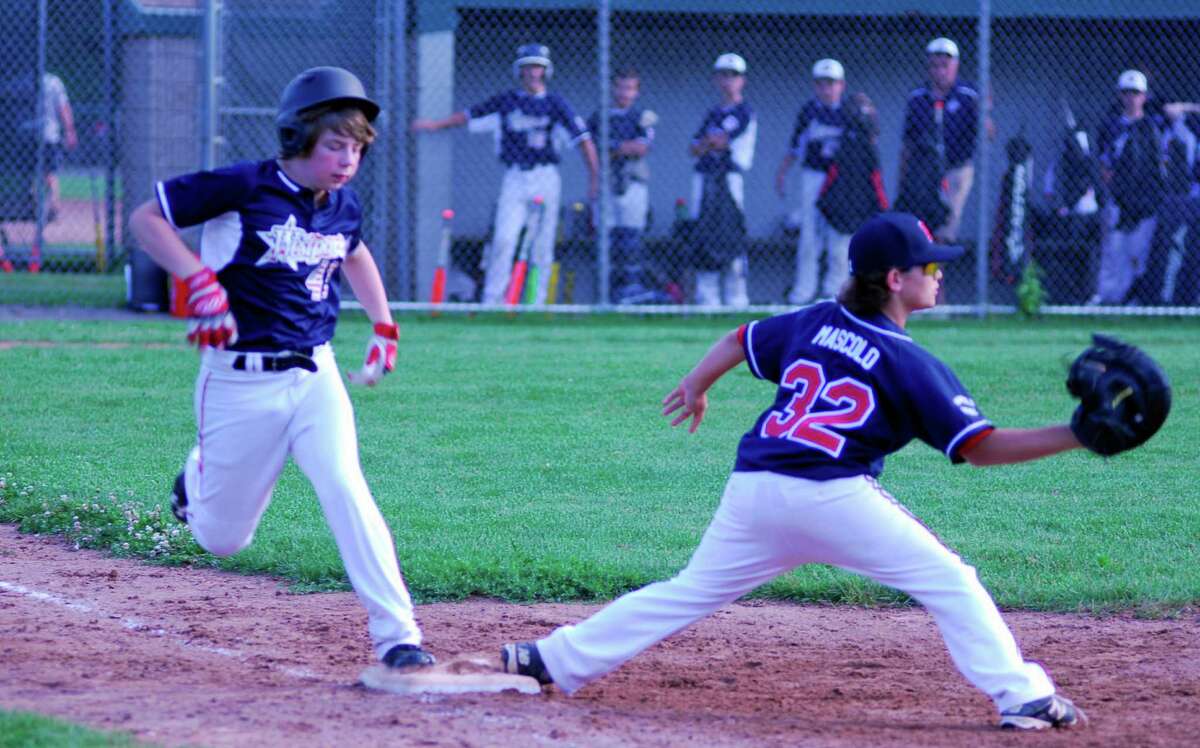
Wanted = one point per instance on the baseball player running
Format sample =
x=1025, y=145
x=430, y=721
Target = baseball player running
x=529, y=124
x=263, y=304
x=852, y=388
x=815, y=139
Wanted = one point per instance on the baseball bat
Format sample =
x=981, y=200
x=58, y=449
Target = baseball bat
x=552, y=284
x=531, y=282
x=101, y=256
x=516, y=283
x=438, y=294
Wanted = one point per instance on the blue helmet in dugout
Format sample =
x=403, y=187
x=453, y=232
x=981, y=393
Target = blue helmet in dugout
x=533, y=54
x=313, y=88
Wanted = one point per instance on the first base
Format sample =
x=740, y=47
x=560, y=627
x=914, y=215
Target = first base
x=464, y=674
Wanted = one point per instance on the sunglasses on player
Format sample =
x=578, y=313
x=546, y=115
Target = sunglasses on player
x=929, y=268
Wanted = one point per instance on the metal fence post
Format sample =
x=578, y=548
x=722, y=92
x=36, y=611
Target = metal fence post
x=40, y=169
x=983, y=230
x=603, y=235
x=212, y=73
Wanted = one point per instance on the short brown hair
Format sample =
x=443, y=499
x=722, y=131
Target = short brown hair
x=626, y=71
x=344, y=120
x=865, y=294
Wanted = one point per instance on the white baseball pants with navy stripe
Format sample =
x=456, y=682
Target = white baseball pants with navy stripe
x=768, y=524
x=248, y=422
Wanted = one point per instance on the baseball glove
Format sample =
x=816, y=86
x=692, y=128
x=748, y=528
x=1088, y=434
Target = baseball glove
x=1124, y=396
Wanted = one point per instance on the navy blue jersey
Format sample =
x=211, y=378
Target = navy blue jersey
x=624, y=125
x=960, y=122
x=530, y=129
x=817, y=133
x=277, y=255
x=851, y=391
x=1114, y=135
x=739, y=123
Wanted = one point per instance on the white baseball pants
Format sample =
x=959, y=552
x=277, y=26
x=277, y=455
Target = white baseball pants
x=730, y=283
x=514, y=208
x=768, y=524
x=1123, y=256
x=817, y=237
x=248, y=423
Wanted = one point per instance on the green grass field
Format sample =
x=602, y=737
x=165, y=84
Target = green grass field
x=25, y=730
x=526, y=459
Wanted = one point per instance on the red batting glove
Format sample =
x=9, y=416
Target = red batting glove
x=211, y=323
x=381, y=355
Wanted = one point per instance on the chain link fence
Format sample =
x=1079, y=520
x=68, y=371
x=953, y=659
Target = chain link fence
x=728, y=156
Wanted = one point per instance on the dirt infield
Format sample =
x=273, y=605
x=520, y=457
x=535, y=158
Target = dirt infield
x=199, y=657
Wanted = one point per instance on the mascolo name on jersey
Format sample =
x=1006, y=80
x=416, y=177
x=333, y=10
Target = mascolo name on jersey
x=848, y=344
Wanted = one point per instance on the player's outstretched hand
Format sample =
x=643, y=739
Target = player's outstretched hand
x=381, y=355
x=693, y=406
x=210, y=321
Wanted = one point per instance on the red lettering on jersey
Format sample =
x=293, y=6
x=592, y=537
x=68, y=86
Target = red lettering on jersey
x=798, y=423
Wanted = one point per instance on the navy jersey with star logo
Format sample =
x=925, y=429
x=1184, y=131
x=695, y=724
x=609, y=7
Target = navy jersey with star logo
x=530, y=129
x=739, y=123
x=276, y=253
x=851, y=391
x=817, y=133
x=960, y=122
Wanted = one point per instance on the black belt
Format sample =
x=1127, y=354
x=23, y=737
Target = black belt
x=298, y=359
x=531, y=167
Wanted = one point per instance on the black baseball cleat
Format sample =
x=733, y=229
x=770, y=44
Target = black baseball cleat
x=523, y=658
x=407, y=655
x=1052, y=711
x=179, y=499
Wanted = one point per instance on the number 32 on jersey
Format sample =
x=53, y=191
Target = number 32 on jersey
x=802, y=422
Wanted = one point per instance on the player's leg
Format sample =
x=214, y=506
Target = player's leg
x=837, y=262
x=1108, y=276
x=1139, y=250
x=737, y=273
x=241, y=448
x=708, y=280
x=746, y=544
x=548, y=184
x=804, y=285
x=325, y=447
x=870, y=533
x=630, y=273
x=958, y=186
x=511, y=211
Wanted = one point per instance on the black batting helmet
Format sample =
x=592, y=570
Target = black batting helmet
x=312, y=88
x=533, y=54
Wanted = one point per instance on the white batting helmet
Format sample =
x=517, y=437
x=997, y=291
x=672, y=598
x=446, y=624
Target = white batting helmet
x=533, y=54
x=731, y=62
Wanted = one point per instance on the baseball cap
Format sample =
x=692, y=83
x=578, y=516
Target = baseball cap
x=732, y=62
x=942, y=46
x=1132, y=80
x=896, y=240
x=829, y=68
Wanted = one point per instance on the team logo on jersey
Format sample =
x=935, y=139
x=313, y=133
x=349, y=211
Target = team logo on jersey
x=966, y=405
x=729, y=123
x=519, y=121
x=291, y=245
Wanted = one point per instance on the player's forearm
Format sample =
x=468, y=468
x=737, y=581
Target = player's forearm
x=363, y=275
x=1009, y=446
x=591, y=159
x=725, y=354
x=159, y=239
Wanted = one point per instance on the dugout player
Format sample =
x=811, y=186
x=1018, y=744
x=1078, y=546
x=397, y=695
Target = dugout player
x=723, y=147
x=851, y=388
x=941, y=123
x=815, y=141
x=529, y=124
x=278, y=235
x=630, y=133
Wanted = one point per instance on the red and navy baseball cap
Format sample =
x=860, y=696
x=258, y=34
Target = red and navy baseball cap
x=896, y=240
